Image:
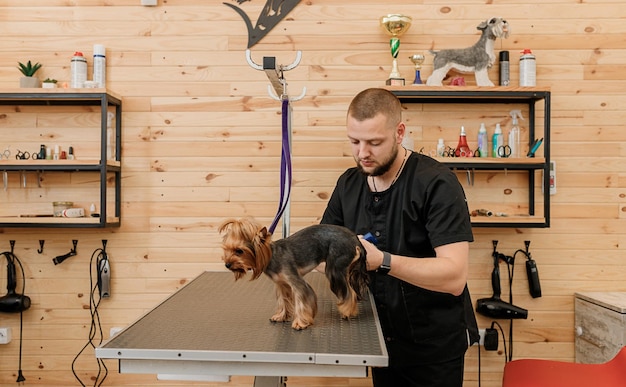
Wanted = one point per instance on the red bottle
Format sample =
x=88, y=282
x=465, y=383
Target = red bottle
x=463, y=150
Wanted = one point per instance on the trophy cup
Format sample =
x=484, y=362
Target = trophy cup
x=395, y=25
x=417, y=60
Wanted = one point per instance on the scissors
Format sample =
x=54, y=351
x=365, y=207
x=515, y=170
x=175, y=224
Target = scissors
x=449, y=152
x=504, y=151
x=26, y=155
x=5, y=154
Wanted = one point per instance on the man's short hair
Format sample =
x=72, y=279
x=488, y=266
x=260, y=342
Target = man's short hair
x=371, y=102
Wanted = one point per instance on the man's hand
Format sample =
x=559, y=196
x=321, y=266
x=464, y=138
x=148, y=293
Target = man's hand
x=374, y=255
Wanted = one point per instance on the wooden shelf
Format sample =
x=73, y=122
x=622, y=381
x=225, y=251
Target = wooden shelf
x=57, y=165
x=51, y=221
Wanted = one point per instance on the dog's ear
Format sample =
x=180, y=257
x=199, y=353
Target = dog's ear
x=264, y=235
x=482, y=26
x=262, y=252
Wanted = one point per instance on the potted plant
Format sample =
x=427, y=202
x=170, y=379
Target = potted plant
x=29, y=70
x=49, y=83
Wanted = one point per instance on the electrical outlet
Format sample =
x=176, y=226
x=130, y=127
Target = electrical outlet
x=5, y=335
x=481, y=341
x=149, y=3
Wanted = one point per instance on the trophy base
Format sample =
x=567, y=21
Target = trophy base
x=395, y=82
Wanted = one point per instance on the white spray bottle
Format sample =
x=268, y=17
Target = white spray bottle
x=514, y=134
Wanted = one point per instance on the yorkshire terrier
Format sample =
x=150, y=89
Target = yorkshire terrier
x=248, y=247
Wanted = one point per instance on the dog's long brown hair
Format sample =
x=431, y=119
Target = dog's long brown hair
x=256, y=256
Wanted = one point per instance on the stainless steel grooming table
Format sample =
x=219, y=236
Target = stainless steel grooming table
x=216, y=326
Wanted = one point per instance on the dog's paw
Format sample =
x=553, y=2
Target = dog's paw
x=279, y=317
x=300, y=324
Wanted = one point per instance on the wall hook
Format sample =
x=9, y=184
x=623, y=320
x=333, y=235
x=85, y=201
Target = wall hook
x=41, y=243
x=62, y=258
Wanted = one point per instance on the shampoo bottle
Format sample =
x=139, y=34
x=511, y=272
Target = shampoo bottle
x=483, y=146
x=99, y=65
x=462, y=149
x=78, y=70
x=514, y=134
x=497, y=140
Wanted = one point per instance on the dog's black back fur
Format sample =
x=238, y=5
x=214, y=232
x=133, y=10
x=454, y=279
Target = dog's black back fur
x=336, y=245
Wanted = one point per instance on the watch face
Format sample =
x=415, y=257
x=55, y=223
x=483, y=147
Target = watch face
x=383, y=269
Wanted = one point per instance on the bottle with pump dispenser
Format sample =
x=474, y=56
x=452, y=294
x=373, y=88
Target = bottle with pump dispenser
x=497, y=141
x=483, y=142
x=462, y=149
x=514, y=134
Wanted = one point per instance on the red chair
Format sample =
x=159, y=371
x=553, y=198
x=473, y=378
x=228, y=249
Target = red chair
x=550, y=373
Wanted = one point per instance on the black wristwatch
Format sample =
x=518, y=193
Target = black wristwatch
x=386, y=265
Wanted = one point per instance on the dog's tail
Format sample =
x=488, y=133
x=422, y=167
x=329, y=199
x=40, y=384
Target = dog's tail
x=433, y=52
x=357, y=273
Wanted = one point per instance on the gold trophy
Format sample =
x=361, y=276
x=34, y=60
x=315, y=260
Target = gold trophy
x=395, y=25
x=417, y=60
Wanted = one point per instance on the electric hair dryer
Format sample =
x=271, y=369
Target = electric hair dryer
x=13, y=302
x=494, y=307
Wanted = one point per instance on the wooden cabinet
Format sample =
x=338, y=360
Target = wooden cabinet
x=600, y=321
x=482, y=100
x=89, y=121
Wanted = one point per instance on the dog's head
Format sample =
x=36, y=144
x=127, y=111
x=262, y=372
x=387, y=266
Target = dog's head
x=496, y=27
x=246, y=247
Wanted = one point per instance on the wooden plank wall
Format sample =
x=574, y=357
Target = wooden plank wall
x=201, y=142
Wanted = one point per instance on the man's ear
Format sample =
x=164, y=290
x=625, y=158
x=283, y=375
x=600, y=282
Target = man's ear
x=400, y=132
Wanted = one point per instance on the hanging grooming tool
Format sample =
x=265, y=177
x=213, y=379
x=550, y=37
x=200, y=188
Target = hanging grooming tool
x=63, y=257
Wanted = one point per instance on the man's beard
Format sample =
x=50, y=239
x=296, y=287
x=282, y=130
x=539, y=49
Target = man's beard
x=384, y=167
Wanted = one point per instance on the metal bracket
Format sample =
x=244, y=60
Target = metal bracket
x=276, y=76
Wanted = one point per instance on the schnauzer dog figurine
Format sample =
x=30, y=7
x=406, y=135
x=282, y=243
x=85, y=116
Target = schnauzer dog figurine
x=477, y=58
x=248, y=247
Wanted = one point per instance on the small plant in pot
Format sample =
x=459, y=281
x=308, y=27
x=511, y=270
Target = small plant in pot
x=29, y=70
x=49, y=83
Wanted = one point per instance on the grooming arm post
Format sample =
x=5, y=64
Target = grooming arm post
x=279, y=93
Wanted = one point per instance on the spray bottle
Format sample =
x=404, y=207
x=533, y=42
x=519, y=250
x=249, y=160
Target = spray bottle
x=483, y=146
x=514, y=134
x=497, y=141
x=462, y=149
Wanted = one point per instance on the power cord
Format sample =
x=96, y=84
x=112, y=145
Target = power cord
x=479, y=368
x=495, y=323
x=99, y=256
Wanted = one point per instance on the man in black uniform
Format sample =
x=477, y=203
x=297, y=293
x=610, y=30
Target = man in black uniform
x=416, y=209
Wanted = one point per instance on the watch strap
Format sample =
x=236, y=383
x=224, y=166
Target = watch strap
x=385, y=266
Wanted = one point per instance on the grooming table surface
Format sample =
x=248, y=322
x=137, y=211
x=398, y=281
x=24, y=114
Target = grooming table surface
x=216, y=326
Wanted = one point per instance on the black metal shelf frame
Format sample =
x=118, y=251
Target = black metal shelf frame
x=55, y=97
x=418, y=94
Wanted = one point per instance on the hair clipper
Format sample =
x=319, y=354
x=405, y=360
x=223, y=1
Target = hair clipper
x=533, y=278
x=104, y=278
